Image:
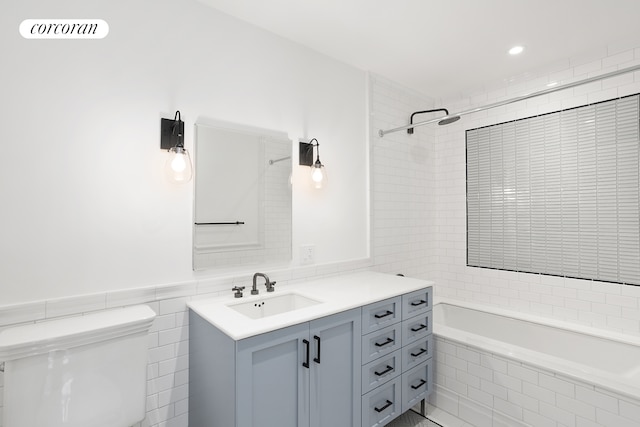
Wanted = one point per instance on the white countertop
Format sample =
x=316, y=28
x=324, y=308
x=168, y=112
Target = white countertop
x=336, y=294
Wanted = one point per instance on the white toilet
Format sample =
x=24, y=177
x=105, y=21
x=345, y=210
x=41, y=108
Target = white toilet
x=85, y=371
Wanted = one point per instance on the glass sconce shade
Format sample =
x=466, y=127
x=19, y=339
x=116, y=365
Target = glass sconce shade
x=318, y=175
x=178, y=165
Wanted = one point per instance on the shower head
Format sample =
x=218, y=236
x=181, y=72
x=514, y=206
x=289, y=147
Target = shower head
x=445, y=121
x=448, y=120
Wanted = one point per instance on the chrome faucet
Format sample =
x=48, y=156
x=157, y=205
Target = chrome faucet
x=269, y=284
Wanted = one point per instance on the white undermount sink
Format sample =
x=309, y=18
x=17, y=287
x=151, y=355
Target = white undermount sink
x=272, y=305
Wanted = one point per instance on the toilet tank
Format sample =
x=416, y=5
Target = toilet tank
x=85, y=371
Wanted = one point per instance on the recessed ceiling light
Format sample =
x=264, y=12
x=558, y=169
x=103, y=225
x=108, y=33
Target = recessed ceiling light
x=516, y=50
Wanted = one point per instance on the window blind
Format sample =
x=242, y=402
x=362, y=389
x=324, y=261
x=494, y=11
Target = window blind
x=558, y=193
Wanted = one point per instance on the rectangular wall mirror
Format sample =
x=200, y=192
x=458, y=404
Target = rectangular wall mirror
x=242, y=206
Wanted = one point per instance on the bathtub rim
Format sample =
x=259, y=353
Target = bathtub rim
x=553, y=364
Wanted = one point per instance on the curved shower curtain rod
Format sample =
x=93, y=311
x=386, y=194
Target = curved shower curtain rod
x=382, y=133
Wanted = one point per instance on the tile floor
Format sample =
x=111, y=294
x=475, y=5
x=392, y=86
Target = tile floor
x=437, y=418
x=411, y=419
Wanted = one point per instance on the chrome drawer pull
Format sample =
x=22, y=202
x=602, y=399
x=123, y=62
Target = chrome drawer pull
x=417, y=303
x=386, y=405
x=389, y=369
x=382, y=344
x=422, y=350
x=380, y=316
x=419, y=329
x=415, y=387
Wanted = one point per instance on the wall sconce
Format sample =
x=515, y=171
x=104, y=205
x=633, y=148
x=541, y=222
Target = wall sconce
x=178, y=166
x=318, y=171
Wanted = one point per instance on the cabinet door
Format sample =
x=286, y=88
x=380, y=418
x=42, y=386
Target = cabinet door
x=336, y=372
x=272, y=384
x=416, y=385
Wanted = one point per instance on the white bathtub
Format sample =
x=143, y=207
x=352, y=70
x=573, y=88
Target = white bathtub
x=607, y=360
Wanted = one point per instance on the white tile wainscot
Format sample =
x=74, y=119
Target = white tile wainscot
x=489, y=382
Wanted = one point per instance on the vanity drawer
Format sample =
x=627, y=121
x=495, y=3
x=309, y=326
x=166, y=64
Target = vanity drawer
x=382, y=342
x=380, y=314
x=416, y=353
x=382, y=405
x=416, y=328
x=417, y=302
x=381, y=370
x=416, y=384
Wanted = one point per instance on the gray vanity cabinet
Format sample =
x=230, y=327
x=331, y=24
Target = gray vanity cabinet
x=335, y=370
x=306, y=375
x=397, y=349
x=270, y=384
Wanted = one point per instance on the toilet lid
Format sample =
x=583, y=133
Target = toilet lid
x=42, y=337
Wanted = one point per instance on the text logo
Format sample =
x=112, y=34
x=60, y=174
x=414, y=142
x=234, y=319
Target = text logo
x=64, y=29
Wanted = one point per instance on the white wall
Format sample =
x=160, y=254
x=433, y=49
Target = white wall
x=87, y=220
x=85, y=207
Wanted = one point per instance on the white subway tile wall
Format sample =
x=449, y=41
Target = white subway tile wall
x=480, y=388
x=168, y=367
x=602, y=305
x=402, y=181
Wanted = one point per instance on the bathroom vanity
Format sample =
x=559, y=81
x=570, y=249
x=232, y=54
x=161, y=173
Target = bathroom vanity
x=352, y=350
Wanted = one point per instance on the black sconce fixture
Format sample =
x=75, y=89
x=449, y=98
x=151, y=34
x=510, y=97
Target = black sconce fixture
x=318, y=171
x=178, y=165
